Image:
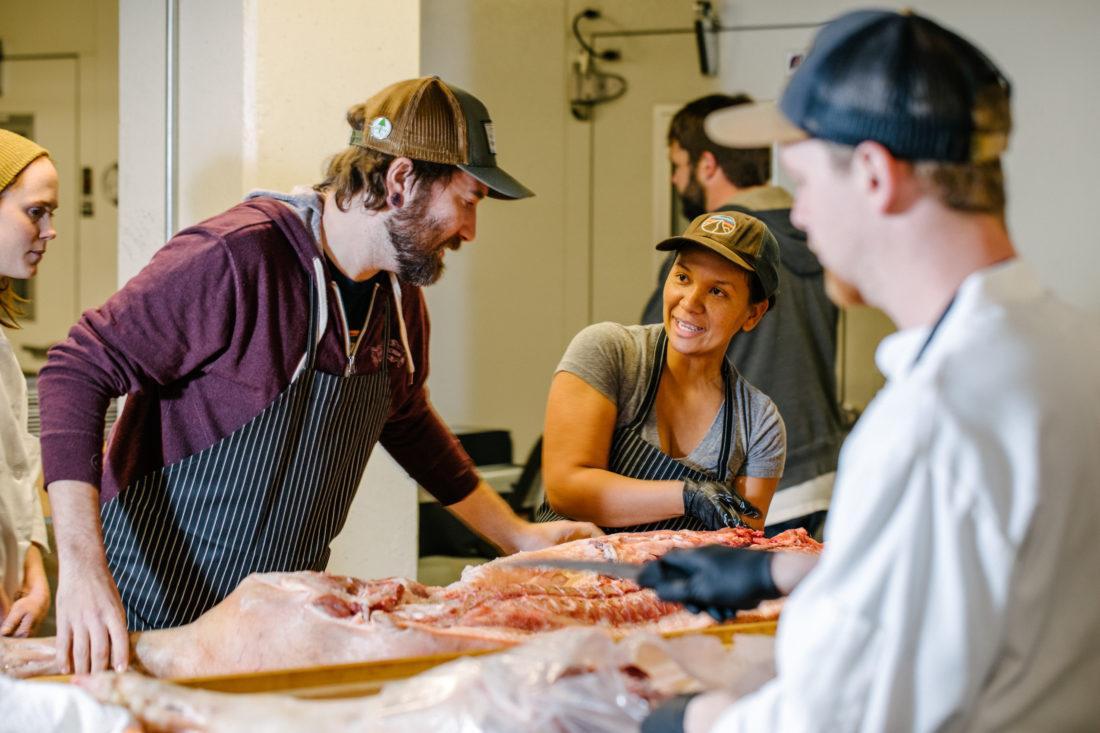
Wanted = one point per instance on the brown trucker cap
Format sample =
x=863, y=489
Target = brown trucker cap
x=427, y=119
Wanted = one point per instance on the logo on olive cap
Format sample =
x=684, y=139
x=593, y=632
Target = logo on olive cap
x=719, y=224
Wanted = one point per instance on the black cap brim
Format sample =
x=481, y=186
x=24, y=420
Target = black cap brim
x=683, y=240
x=501, y=185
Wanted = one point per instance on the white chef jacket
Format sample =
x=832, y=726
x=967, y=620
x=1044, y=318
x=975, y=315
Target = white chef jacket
x=21, y=520
x=959, y=588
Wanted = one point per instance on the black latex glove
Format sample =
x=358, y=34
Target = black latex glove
x=668, y=717
x=716, y=579
x=716, y=505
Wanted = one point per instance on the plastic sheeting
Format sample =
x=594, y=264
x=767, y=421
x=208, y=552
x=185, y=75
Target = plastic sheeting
x=50, y=707
x=569, y=681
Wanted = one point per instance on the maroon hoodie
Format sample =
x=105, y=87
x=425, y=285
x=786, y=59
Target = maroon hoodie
x=209, y=334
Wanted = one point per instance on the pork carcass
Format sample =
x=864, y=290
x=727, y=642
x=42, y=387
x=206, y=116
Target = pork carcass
x=306, y=619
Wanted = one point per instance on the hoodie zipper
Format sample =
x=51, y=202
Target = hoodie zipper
x=350, y=349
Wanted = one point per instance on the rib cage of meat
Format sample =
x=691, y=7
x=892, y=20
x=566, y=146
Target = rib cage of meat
x=284, y=620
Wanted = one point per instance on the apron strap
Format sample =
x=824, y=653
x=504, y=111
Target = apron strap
x=651, y=397
x=727, y=424
x=654, y=383
x=318, y=318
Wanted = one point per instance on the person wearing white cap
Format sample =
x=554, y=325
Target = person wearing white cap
x=957, y=587
x=28, y=197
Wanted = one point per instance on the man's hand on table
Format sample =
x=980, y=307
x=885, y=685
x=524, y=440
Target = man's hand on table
x=537, y=535
x=91, y=623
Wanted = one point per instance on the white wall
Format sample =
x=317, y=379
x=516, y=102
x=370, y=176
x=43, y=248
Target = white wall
x=1049, y=53
x=510, y=302
x=264, y=86
x=141, y=134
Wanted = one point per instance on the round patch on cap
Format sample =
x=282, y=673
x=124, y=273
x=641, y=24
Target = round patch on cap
x=380, y=128
x=719, y=224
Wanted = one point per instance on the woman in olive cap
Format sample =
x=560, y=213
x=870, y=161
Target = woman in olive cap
x=651, y=427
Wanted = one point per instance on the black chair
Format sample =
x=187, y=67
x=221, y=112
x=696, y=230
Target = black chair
x=527, y=491
x=441, y=533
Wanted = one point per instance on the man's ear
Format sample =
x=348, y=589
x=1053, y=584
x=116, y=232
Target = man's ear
x=882, y=177
x=399, y=178
x=706, y=166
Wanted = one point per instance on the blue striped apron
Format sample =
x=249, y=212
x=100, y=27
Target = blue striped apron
x=633, y=456
x=270, y=496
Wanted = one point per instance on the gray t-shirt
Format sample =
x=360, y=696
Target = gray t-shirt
x=618, y=360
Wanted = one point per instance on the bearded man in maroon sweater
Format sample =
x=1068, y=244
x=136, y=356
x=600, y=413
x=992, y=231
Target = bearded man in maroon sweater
x=264, y=352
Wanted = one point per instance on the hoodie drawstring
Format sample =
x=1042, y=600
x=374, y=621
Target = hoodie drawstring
x=396, y=285
x=322, y=305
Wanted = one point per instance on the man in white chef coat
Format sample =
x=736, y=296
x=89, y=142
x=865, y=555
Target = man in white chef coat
x=957, y=588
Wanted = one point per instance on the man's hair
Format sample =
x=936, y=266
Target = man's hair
x=356, y=170
x=744, y=167
x=977, y=188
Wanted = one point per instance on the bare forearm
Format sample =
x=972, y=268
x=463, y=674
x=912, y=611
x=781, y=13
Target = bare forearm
x=490, y=516
x=21, y=615
x=77, y=529
x=611, y=500
x=34, y=573
x=91, y=623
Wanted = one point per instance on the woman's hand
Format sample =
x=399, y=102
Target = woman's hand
x=33, y=601
x=716, y=505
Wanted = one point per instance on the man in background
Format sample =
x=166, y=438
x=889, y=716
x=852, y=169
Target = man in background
x=791, y=355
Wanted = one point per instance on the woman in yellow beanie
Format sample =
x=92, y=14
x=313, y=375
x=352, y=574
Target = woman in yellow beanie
x=28, y=197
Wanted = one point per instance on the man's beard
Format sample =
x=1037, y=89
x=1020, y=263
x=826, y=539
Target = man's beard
x=417, y=242
x=693, y=201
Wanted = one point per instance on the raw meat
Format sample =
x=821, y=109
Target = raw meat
x=285, y=620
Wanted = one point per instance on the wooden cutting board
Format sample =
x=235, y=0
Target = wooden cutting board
x=360, y=679
x=367, y=678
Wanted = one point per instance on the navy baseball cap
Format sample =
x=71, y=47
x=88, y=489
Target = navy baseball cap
x=899, y=79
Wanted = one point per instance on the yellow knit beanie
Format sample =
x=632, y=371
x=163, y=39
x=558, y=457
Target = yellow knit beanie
x=16, y=153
